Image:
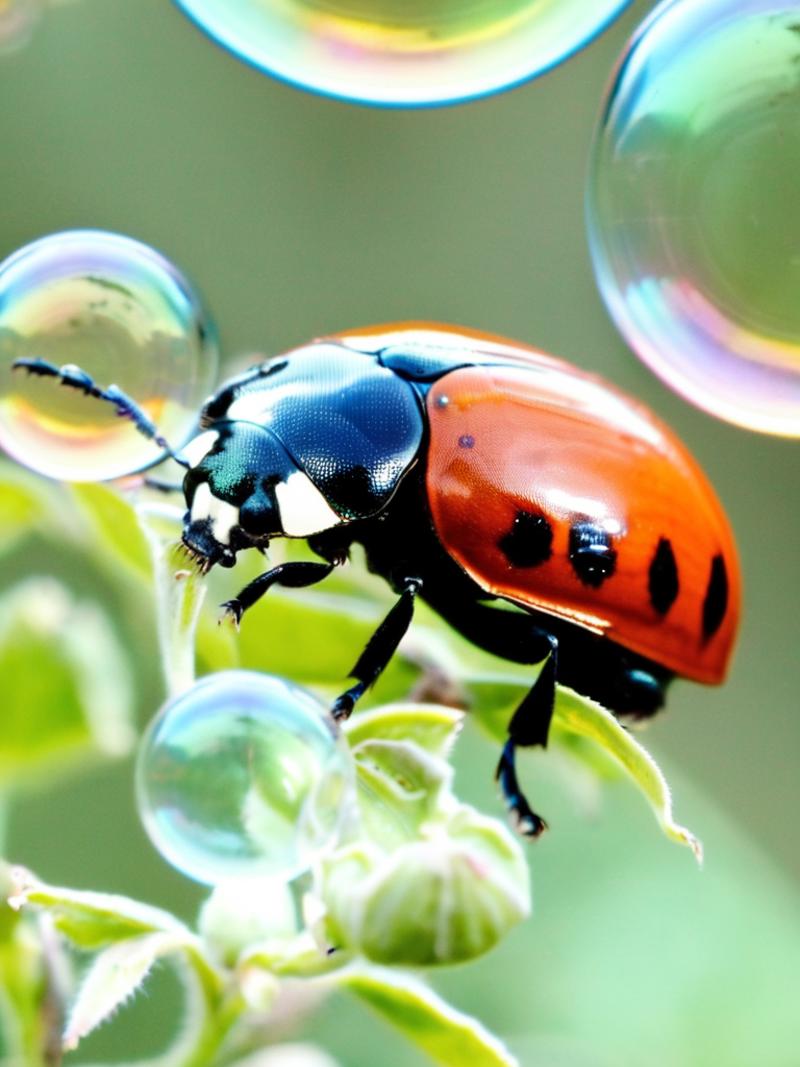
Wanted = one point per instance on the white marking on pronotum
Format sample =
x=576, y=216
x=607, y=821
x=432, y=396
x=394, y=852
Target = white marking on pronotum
x=201, y=502
x=221, y=515
x=304, y=510
x=199, y=447
x=224, y=517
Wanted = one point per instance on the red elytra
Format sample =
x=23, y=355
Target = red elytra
x=549, y=439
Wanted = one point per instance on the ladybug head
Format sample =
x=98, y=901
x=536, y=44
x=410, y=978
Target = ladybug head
x=242, y=489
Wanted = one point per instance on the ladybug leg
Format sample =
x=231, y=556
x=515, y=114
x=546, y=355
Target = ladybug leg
x=526, y=820
x=529, y=726
x=379, y=650
x=516, y=637
x=159, y=486
x=295, y=575
x=127, y=408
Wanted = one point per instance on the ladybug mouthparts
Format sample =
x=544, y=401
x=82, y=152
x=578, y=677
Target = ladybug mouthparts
x=200, y=545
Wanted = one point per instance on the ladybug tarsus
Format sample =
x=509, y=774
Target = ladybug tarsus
x=525, y=820
x=342, y=707
x=232, y=611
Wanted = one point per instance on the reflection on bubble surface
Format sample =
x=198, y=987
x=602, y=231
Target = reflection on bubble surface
x=241, y=776
x=403, y=52
x=126, y=316
x=692, y=205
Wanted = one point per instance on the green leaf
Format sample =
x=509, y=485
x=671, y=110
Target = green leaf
x=431, y=726
x=23, y=504
x=24, y=986
x=578, y=715
x=399, y=787
x=66, y=685
x=114, y=524
x=112, y=979
x=446, y=1035
x=92, y=920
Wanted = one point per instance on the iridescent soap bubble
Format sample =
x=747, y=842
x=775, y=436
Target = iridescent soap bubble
x=403, y=53
x=125, y=315
x=241, y=776
x=693, y=205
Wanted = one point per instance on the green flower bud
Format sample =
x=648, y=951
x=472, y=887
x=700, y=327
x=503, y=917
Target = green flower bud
x=446, y=898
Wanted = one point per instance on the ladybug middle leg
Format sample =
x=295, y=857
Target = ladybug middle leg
x=379, y=649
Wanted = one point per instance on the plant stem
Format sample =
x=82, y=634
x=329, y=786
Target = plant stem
x=179, y=596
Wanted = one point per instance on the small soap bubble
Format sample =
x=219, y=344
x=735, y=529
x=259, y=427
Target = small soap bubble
x=122, y=313
x=403, y=53
x=18, y=20
x=692, y=205
x=242, y=776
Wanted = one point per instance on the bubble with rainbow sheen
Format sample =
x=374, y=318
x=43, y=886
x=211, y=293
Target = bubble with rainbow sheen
x=244, y=775
x=124, y=314
x=403, y=53
x=692, y=205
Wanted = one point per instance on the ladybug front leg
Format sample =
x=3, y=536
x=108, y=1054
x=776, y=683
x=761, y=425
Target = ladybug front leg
x=380, y=649
x=293, y=575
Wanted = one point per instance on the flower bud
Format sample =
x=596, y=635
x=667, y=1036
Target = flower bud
x=448, y=897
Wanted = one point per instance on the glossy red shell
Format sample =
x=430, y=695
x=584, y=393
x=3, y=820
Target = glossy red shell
x=545, y=438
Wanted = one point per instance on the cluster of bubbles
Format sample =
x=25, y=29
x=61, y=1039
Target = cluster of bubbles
x=403, y=53
x=243, y=775
x=692, y=205
x=124, y=315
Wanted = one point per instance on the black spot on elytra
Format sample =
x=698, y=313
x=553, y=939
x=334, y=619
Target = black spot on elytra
x=662, y=578
x=529, y=542
x=466, y=440
x=716, y=600
x=590, y=553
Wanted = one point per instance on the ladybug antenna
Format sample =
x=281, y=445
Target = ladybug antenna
x=126, y=407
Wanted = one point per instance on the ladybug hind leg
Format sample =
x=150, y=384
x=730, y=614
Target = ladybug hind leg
x=515, y=636
x=529, y=726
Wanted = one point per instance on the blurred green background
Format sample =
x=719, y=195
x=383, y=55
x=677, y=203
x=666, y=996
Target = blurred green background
x=296, y=216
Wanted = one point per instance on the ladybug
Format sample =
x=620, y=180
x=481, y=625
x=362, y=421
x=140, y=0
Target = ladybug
x=481, y=476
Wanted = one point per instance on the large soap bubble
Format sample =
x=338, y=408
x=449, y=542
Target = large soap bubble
x=126, y=316
x=408, y=53
x=693, y=205
x=242, y=776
